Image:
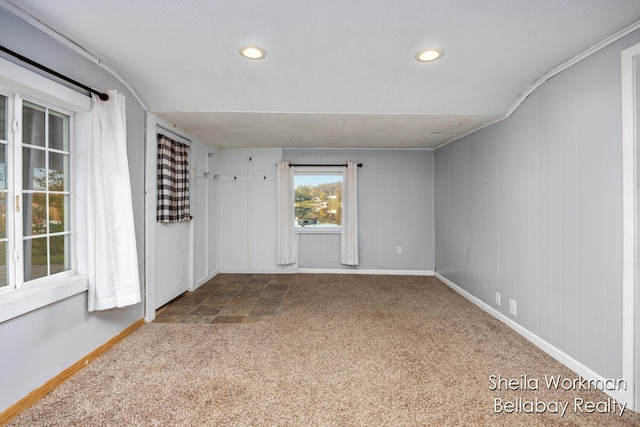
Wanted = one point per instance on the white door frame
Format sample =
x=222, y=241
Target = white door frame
x=631, y=250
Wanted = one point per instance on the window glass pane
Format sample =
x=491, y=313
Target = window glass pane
x=3, y=166
x=58, y=205
x=59, y=253
x=35, y=258
x=33, y=124
x=3, y=117
x=318, y=200
x=45, y=174
x=34, y=214
x=58, y=172
x=34, y=174
x=3, y=264
x=58, y=131
x=3, y=215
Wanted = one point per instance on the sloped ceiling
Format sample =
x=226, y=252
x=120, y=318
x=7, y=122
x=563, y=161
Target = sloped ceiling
x=338, y=73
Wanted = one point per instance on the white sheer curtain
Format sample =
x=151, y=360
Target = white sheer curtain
x=112, y=254
x=350, y=214
x=286, y=217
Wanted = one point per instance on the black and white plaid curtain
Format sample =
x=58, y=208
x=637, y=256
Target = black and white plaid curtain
x=173, y=181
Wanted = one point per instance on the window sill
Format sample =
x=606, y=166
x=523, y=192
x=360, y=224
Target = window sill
x=318, y=230
x=24, y=300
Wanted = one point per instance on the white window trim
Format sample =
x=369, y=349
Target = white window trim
x=29, y=298
x=318, y=230
x=16, y=221
x=26, y=82
x=319, y=170
x=39, y=293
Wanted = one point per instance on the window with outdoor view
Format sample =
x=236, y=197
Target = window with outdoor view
x=4, y=141
x=45, y=189
x=318, y=200
x=35, y=229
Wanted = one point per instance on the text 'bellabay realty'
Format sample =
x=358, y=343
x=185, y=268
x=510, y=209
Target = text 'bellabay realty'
x=522, y=405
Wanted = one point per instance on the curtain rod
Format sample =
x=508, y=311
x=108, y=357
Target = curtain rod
x=314, y=165
x=102, y=96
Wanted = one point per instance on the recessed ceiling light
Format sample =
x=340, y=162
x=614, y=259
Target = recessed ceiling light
x=428, y=55
x=253, y=52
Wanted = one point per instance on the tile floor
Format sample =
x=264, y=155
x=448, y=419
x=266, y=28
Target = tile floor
x=229, y=298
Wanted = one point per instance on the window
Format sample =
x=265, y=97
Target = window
x=318, y=199
x=45, y=192
x=3, y=189
x=41, y=259
x=35, y=228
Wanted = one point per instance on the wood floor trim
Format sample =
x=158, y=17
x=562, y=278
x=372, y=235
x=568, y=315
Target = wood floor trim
x=37, y=394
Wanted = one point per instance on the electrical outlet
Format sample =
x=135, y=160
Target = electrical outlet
x=512, y=307
x=498, y=298
x=399, y=250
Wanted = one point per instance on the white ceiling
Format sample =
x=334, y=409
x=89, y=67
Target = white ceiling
x=339, y=73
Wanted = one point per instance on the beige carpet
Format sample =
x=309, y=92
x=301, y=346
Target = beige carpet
x=344, y=350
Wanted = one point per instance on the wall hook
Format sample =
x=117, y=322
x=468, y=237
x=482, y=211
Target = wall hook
x=216, y=176
x=206, y=174
x=211, y=155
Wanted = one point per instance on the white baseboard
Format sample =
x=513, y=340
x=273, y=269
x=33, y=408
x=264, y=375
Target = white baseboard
x=363, y=271
x=332, y=271
x=257, y=271
x=551, y=350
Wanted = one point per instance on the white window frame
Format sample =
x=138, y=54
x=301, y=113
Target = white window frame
x=22, y=84
x=318, y=170
x=19, y=195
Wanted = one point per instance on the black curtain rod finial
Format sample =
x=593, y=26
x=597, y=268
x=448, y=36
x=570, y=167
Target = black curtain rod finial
x=103, y=97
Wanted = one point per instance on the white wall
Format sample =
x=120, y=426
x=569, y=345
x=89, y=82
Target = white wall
x=395, y=199
x=39, y=345
x=532, y=208
x=204, y=208
x=248, y=210
x=395, y=208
